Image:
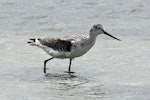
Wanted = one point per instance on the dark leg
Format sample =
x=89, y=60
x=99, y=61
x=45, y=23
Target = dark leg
x=69, y=69
x=45, y=63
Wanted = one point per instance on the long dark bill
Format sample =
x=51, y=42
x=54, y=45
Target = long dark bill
x=111, y=35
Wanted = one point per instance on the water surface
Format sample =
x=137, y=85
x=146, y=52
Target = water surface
x=111, y=70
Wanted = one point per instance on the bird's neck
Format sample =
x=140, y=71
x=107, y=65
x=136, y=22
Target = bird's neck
x=92, y=37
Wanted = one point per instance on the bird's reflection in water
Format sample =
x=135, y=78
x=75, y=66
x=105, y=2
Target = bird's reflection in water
x=66, y=81
x=60, y=76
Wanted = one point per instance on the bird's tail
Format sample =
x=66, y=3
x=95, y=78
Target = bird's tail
x=32, y=42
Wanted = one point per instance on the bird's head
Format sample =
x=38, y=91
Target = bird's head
x=98, y=29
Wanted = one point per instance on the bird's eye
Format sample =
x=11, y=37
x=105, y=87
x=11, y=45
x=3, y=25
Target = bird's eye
x=98, y=26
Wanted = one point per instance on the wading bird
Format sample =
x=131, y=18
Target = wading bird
x=68, y=46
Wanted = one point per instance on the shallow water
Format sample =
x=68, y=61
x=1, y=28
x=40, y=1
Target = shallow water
x=111, y=70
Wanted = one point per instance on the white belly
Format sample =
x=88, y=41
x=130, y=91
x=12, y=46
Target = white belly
x=57, y=54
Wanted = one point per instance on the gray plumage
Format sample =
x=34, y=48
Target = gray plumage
x=56, y=44
x=69, y=46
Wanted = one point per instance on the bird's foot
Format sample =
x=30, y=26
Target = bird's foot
x=69, y=72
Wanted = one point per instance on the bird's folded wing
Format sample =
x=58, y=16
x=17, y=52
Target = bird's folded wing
x=56, y=43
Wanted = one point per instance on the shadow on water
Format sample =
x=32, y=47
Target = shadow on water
x=60, y=76
x=75, y=85
x=65, y=81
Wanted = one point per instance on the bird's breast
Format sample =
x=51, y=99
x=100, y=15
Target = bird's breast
x=80, y=49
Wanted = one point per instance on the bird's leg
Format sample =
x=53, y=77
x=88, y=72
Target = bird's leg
x=45, y=63
x=69, y=68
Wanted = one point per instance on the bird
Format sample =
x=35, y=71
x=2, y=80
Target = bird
x=68, y=47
